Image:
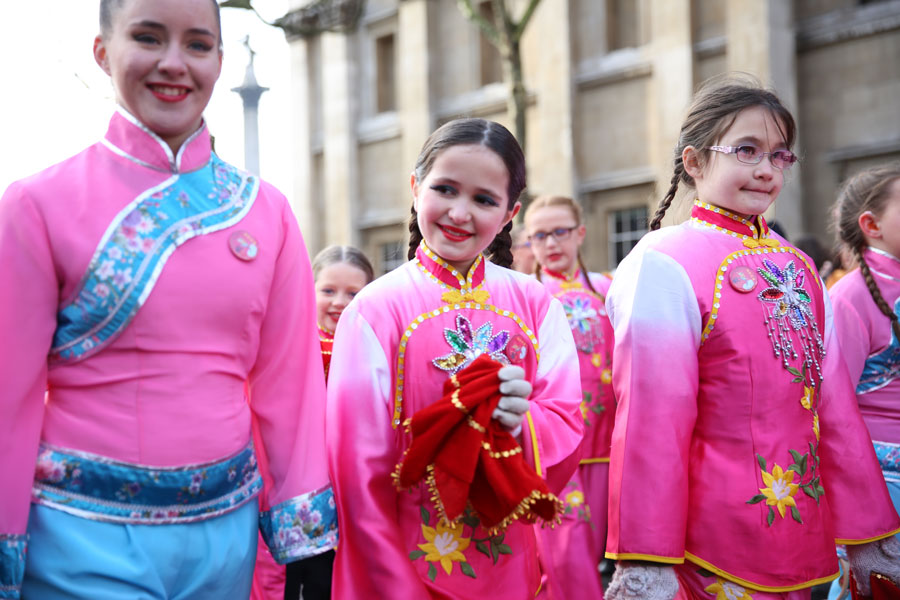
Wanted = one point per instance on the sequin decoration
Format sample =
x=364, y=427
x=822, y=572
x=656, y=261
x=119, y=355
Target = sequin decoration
x=468, y=345
x=791, y=306
x=583, y=321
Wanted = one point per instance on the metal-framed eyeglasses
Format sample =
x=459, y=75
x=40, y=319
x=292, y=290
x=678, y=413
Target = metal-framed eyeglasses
x=559, y=234
x=751, y=155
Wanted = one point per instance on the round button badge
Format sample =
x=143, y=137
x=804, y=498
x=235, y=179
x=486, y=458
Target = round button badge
x=243, y=245
x=743, y=279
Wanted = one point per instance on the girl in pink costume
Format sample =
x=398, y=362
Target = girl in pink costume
x=867, y=305
x=400, y=340
x=147, y=285
x=574, y=549
x=738, y=456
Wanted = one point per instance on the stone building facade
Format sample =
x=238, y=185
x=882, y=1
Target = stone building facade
x=608, y=84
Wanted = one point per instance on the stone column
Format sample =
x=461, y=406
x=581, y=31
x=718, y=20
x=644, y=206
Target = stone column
x=760, y=38
x=551, y=140
x=415, y=97
x=673, y=81
x=339, y=93
x=305, y=205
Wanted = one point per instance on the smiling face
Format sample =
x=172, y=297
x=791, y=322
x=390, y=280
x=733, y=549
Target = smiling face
x=163, y=57
x=336, y=286
x=462, y=203
x=724, y=181
x=559, y=255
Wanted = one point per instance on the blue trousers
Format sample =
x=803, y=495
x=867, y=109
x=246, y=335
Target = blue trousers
x=73, y=558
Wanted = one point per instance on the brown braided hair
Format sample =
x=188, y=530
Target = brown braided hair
x=493, y=136
x=865, y=191
x=710, y=116
x=566, y=202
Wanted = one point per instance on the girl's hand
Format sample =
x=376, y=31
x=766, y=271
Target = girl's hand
x=514, y=402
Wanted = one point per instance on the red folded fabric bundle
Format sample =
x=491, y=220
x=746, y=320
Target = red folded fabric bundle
x=882, y=588
x=467, y=458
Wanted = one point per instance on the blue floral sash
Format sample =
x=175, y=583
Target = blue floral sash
x=133, y=251
x=103, y=489
x=889, y=459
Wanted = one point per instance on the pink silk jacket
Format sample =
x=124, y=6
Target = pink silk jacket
x=395, y=346
x=738, y=445
x=169, y=389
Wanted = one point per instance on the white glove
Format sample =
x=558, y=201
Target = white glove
x=880, y=556
x=642, y=581
x=514, y=402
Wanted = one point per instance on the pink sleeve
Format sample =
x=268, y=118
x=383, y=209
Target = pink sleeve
x=553, y=430
x=28, y=301
x=287, y=392
x=656, y=318
x=362, y=453
x=854, y=485
x=852, y=335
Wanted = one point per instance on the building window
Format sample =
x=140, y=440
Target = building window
x=623, y=26
x=385, y=80
x=491, y=64
x=626, y=227
x=392, y=256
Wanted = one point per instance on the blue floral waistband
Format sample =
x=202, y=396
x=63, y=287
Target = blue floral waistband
x=100, y=488
x=889, y=459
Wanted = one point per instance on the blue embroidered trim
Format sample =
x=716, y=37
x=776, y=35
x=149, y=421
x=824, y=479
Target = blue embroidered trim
x=12, y=564
x=302, y=526
x=133, y=251
x=882, y=368
x=889, y=458
x=103, y=489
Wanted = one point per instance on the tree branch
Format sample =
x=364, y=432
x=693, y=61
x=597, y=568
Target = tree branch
x=469, y=12
x=526, y=16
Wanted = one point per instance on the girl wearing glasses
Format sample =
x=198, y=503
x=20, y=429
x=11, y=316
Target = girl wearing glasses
x=574, y=549
x=399, y=342
x=739, y=456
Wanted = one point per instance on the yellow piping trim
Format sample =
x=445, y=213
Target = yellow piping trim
x=534, y=445
x=669, y=560
x=723, y=269
x=755, y=586
x=871, y=539
x=592, y=461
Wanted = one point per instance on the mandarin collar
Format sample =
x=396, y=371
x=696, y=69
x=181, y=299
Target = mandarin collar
x=881, y=263
x=575, y=276
x=434, y=266
x=325, y=335
x=728, y=222
x=128, y=137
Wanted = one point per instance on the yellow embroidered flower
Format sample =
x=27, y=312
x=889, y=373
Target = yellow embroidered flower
x=725, y=590
x=816, y=425
x=575, y=498
x=445, y=545
x=596, y=359
x=806, y=400
x=780, y=491
x=606, y=376
x=584, y=409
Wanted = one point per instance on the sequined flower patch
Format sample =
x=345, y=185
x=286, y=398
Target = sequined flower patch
x=468, y=345
x=786, y=293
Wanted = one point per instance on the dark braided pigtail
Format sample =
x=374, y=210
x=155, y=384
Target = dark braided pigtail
x=500, y=250
x=415, y=234
x=666, y=202
x=880, y=302
x=587, y=274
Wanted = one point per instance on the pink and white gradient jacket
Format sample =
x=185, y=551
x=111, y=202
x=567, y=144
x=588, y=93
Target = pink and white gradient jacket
x=593, y=334
x=738, y=445
x=395, y=346
x=169, y=390
x=868, y=344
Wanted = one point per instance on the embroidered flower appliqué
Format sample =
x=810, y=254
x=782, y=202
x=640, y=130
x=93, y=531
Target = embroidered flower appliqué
x=468, y=345
x=786, y=293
